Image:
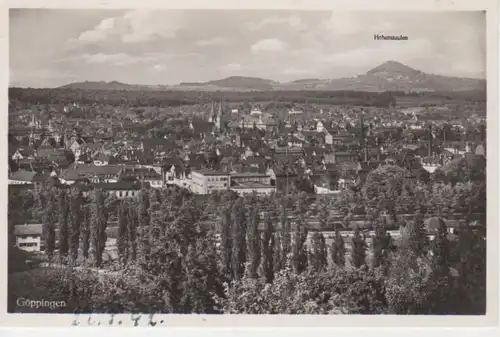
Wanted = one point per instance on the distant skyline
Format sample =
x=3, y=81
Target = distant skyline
x=50, y=48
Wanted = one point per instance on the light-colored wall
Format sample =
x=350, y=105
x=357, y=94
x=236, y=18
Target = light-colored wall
x=156, y=183
x=202, y=184
x=18, y=182
x=35, y=240
x=263, y=180
x=261, y=190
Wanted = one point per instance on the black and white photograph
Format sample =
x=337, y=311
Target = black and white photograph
x=258, y=162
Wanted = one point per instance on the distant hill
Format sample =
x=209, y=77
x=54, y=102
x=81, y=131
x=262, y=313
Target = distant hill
x=389, y=76
x=306, y=80
x=395, y=76
x=101, y=85
x=236, y=82
x=393, y=68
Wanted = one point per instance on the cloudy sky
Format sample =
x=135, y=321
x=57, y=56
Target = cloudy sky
x=51, y=47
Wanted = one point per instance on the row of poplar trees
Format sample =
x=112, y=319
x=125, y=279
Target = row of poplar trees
x=73, y=226
x=247, y=243
x=259, y=248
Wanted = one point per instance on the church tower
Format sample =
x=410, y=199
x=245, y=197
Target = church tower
x=216, y=117
x=363, y=142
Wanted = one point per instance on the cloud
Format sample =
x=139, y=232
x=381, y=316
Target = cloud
x=159, y=67
x=105, y=28
x=341, y=24
x=146, y=25
x=122, y=59
x=268, y=45
x=216, y=41
x=232, y=67
x=113, y=59
x=297, y=71
x=292, y=21
x=381, y=52
x=135, y=26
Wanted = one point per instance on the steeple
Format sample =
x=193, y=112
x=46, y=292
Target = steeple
x=378, y=148
x=429, y=149
x=363, y=142
x=218, y=118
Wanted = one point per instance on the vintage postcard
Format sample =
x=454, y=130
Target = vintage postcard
x=288, y=165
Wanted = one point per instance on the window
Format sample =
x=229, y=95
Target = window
x=28, y=244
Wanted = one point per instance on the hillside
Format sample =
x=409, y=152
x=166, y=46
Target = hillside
x=395, y=76
x=236, y=82
x=101, y=85
x=389, y=76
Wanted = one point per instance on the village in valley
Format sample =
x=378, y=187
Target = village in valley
x=244, y=148
x=360, y=193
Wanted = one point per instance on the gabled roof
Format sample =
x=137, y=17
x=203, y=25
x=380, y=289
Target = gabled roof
x=28, y=229
x=23, y=176
x=434, y=223
x=200, y=126
x=158, y=144
x=26, y=151
x=79, y=171
x=311, y=133
x=122, y=185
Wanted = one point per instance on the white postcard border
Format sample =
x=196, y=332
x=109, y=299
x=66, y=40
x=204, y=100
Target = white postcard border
x=212, y=321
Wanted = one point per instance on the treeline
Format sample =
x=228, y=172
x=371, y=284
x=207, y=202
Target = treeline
x=258, y=262
x=174, y=98
x=170, y=263
x=124, y=98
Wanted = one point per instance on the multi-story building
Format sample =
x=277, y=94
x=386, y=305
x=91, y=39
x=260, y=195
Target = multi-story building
x=206, y=181
x=121, y=190
x=251, y=182
x=250, y=177
x=29, y=237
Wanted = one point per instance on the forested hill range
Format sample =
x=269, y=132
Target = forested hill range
x=389, y=76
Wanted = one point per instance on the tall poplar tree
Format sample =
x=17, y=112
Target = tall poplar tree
x=253, y=243
x=358, y=249
x=238, y=233
x=337, y=249
x=63, y=210
x=144, y=223
x=75, y=220
x=417, y=235
x=285, y=237
x=122, y=240
x=299, y=249
x=132, y=233
x=440, y=248
x=85, y=228
x=278, y=252
x=267, y=246
x=381, y=246
x=318, y=252
x=226, y=242
x=49, y=221
x=99, y=221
